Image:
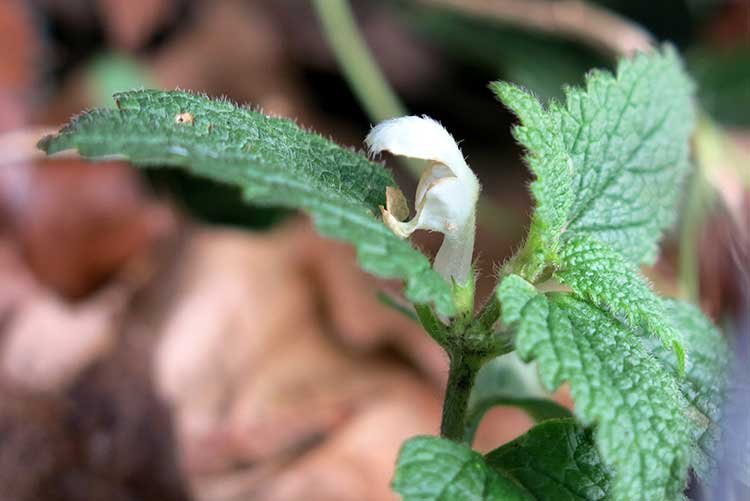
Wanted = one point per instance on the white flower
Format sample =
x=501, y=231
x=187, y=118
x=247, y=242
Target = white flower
x=446, y=195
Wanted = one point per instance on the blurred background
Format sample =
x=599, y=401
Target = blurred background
x=161, y=341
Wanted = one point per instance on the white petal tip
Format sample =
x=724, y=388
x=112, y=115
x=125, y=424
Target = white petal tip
x=415, y=137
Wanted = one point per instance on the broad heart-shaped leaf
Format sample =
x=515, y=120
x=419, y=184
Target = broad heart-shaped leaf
x=274, y=162
x=437, y=469
x=603, y=277
x=556, y=459
x=644, y=427
x=705, y=382
x=623, y=142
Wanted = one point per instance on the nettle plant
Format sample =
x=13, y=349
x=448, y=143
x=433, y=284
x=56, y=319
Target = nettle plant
x=646, y=373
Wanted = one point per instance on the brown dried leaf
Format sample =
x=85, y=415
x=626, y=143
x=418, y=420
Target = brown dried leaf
x=78, y=223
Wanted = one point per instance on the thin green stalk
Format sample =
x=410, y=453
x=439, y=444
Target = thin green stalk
x=693, y=218
x=356, y=61
x=379, y=100
x=359, y=67
x=463, y=372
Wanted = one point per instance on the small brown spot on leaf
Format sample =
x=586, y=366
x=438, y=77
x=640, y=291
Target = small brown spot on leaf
x=183, y=118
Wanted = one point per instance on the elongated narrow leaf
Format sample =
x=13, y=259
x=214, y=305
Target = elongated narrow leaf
x=556, y=459
x=272, y=160
x=437, y=469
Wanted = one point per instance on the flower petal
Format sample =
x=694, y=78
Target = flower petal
x=446, y=196
x=436, y=212
x=396, y=204
x=418, y=137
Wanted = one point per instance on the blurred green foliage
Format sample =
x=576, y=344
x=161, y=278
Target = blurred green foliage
x=539, y=62
x=723, y=77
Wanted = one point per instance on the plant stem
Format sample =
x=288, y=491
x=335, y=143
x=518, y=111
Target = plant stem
x=356, y=61
x=463, y=371
x=361, y=70
x=693, y=219
x=378, y=98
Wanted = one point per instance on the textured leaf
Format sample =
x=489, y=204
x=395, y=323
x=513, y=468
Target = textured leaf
x=628, y=139
x=705, y=382
x=603, y=277
x=643, y=424
x=272, y=160
x=551, y=165
x=514, y=293
x=437, y=469
x=556, y=460
x=610, y=161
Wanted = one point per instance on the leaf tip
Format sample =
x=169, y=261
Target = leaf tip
x=45, y=142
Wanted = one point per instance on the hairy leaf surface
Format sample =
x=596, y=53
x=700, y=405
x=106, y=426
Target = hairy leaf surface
x=705, y=382
x=643, y=422
x=628, y=138
x=514, y=293
x=540, y=133
x=603, y=277
x=610, y=161
x=272, y=160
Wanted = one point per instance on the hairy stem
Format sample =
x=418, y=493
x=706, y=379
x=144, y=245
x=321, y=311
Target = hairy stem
x=463, y=371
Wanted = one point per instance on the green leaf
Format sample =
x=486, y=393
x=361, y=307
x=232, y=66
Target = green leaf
x=603, y=277
x=514, y=293
x=723, y=77
x=533, y=59
x=274, y=162
x=556, y=460
x=705, y=381
x=628, y=139
x=437, y=469
x=644, y=427
x=552, y=167
x=612, y=158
